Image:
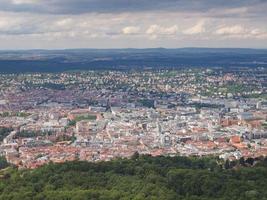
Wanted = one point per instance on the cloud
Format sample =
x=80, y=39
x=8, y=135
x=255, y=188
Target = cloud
x=160, y=30
x=64, y=23
x=11, y=24
x=130, y=30
x=154, y=31
x=171, y=26
x=231, y=30
x=259, y=34
x=222, y=7
x=4, y=24
x=19, y=2
x=239, y=31
x=115, y=25
x=196, y=29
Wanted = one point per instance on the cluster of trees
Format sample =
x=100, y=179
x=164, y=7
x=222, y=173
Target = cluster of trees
x=17, y=114
x=147, y=103
x=80, y=118
x=30, y=134
x=52, y=86
x=3, y=163
x=85, y=117
x=139, y=178
x=4, y=132
x=62, y=138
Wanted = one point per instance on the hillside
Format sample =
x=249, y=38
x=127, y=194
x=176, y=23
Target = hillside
x=139, y=178
x=125, y=59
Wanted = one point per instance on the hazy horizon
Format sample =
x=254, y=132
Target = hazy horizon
x=133, y=48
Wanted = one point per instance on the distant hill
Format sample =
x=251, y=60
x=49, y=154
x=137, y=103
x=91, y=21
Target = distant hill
x=124, y=59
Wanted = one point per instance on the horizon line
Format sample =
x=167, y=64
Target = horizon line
x=130, y=48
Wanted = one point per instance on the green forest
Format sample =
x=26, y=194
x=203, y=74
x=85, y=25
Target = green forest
x=138, y=178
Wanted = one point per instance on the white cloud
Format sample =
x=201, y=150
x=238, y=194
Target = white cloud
x=64, y=22
x=241, y=32
x=170, y=30
x=231, y=30
x=19, y=2
x=258, y=34
x=3, y=23
x=196, y=29
x=9, y=24
x=155, y=30
x=108, y=28
x=130, y=30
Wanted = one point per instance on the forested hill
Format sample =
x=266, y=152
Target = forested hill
x=125, y=59
x=139, y=178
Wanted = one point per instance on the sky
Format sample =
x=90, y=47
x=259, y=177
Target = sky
x=60, y=24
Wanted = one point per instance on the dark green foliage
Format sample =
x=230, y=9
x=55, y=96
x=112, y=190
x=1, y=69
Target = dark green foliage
x=3, y=163
x=65, y=138
x=85, y=117
x=48, y=86
x=29, y=134
x=147, y=103
x=4, y=132
x=82, y=117
x=138, y=178
x=12, y=114
x=72, y=123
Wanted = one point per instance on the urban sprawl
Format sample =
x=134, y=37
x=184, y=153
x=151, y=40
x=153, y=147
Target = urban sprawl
x=103, y=115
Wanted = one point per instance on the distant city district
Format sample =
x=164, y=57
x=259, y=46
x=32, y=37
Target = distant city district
x=103, y=115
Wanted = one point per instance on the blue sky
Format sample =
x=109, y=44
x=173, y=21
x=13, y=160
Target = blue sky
x=53, y=24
